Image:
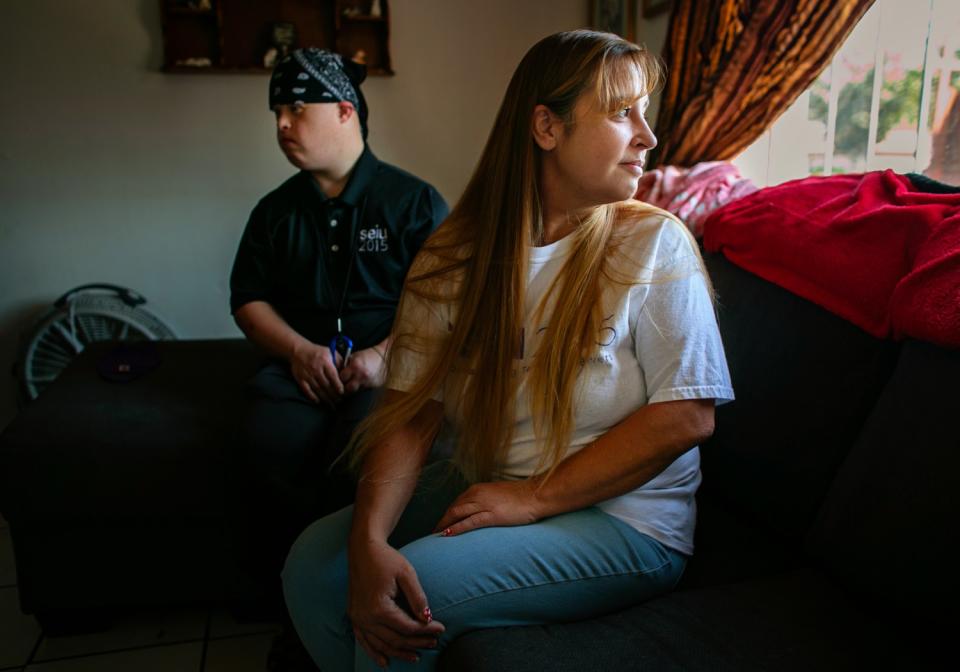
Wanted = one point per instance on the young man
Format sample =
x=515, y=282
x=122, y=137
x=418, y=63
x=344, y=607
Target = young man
x=315, y=284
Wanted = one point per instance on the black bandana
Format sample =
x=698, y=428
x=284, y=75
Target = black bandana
x=314, y=75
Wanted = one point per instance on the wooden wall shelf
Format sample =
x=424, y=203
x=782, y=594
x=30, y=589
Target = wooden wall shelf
x=234, y=36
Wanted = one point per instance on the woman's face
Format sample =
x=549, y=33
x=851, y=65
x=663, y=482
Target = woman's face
x=600, y=158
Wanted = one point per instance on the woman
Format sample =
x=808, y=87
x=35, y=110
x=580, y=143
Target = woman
x=567, y=334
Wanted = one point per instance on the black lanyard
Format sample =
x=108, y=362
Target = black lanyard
x=355, y=218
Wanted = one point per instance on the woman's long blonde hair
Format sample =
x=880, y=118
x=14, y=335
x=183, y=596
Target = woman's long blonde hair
x=476, y=262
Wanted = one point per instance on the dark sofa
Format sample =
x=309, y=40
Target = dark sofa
x=827, y=517
x=118, y=494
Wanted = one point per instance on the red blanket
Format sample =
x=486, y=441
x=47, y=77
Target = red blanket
x=870, y=248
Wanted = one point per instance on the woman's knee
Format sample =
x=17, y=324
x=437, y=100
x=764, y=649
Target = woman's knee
x=317, y=561
x=448, y=573
x=315, y=590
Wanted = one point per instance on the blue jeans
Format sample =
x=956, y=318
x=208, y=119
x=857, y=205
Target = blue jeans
x=565, y=568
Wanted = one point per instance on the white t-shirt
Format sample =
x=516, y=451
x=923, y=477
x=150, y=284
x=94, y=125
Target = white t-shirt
x=659, y=342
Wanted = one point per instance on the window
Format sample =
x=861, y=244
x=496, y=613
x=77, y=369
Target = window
x=853, y=120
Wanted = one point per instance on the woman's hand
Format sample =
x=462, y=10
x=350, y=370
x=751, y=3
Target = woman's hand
x=499, y=504
x=380, y=577
x=316, y=374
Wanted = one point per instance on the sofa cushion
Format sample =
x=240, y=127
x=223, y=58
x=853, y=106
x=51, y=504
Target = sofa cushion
x=793, y=621
x=805, y=381
x=152, y=448
x=889, y=527
x=730, y=548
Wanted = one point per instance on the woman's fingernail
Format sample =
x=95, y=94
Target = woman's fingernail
x=427, y=614
x=445, y=533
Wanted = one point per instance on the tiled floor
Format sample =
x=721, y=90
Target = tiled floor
x=167, y=641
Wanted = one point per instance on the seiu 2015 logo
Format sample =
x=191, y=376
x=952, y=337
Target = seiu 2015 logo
x=373, y=240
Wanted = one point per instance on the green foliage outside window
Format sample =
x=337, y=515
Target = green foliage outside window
x=899, y=103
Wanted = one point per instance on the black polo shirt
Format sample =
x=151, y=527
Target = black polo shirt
x=296, y=250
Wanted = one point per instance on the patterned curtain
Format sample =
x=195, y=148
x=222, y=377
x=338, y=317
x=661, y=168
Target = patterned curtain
x=734, y=66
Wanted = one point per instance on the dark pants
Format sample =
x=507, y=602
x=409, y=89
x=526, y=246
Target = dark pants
x=289, y=479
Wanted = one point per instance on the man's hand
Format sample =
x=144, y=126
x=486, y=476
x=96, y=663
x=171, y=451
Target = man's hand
x=499, y=504
x=316, y=373
x=380, y=577
x=365, y=369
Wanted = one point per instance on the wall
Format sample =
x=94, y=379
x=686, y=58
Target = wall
x=112, y=171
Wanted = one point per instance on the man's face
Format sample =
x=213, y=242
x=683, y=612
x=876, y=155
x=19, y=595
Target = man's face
x=311, y=135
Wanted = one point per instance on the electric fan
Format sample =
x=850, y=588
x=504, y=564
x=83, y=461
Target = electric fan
x=84, y=315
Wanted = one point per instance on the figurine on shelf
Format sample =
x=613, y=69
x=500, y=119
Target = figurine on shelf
x=270, y=57
x=195, y=62
x=283, y=37
x=375, y=8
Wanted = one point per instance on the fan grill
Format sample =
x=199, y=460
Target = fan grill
x=86, y=317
